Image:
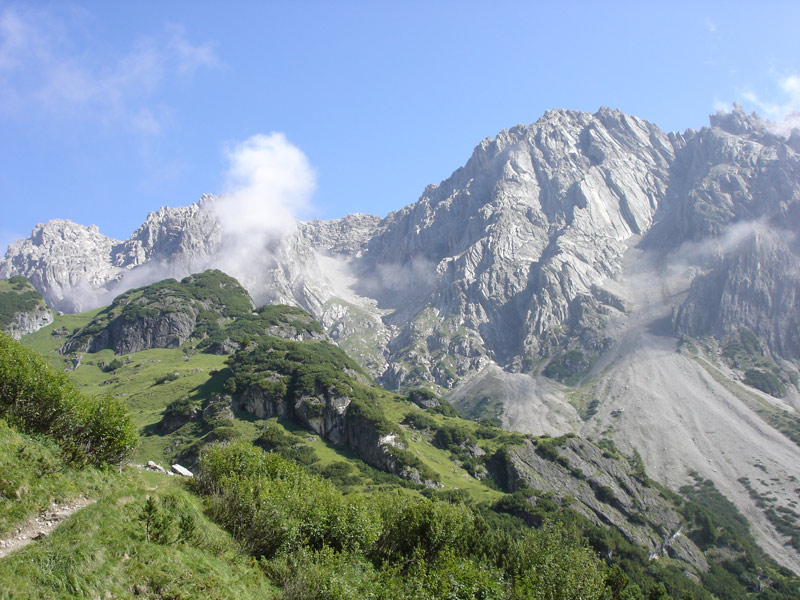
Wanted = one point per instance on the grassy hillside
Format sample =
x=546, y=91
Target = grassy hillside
x=375, y=507
x=104, y=548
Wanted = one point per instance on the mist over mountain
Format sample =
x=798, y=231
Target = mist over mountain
x=588, y=273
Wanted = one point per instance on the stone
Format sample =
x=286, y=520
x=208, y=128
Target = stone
x=183, y=471
x=155, y=467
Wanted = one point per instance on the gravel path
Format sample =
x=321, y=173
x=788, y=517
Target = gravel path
x=41, y=526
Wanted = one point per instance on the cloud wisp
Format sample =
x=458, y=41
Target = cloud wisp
x=49, y=68
x=269, y=186
x=783, y=114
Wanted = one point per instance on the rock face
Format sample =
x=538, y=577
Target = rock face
x=603, y=489
x=327, y=415
x=24, y=323
x=22, y=310
x=165, y=315
x=507, y=250
x=755, y=286
x=179, y=236
x=64, y=262
x=163, y=330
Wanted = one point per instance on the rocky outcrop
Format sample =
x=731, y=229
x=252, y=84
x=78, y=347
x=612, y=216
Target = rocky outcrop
x=330, y=416
x=163, y=330
x=601, y=486
x=165, y=315
x=76, y=268
x=182, y=236
x=214, y=411
x=756, y=286
x=346, y=236
x=22, y=310
x=64, y=261
x=24, y=323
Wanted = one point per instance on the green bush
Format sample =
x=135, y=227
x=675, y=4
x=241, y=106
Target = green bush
x=113, y=365
x=109, y=432
x=420, y=421
x=339, y=473
x=37, y=399
x=765, y=381
x=451, y=436
x=165, y=378
x=418, y=527
x=18, y=297
x=554, y=563
x=181, y=408
x=566, y=367
x=446, y=409
x=167, y=520
x=604, y=494
x=274, y=505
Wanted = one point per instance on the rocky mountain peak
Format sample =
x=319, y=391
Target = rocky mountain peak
x=175, y=234
x=737, y=122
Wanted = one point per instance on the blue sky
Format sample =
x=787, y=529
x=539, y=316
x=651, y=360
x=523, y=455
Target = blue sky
x=109, y=110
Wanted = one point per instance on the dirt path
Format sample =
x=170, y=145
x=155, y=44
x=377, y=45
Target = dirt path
x=41, y=526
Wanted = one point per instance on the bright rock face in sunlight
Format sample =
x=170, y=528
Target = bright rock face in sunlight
x=585, y=273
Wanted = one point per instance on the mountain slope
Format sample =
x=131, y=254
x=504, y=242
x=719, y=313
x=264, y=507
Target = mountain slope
x=329, y=414
x=583, y=273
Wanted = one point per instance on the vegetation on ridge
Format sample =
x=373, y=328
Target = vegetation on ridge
x=39, y=400
x=17, y=295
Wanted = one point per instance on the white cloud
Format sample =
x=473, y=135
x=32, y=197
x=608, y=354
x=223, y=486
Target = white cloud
x=783, y=112
x=47, y=67
x=269, y=186
x=191, y=57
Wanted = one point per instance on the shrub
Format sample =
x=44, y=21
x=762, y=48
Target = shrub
x=37, y=399
x=167, y=520
x=546, y=448
x=274, y=505
x=418, y=527
x=167, y=377
x=113, y=365
x=446, y=409
x=565, y=367
x=604, y=494
x=553, y=563
x=420, y=421
x=765, y=381
x=109, y=432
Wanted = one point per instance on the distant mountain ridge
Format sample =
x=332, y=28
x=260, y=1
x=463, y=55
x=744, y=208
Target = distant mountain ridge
x=584, y=273
x=510, y=253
